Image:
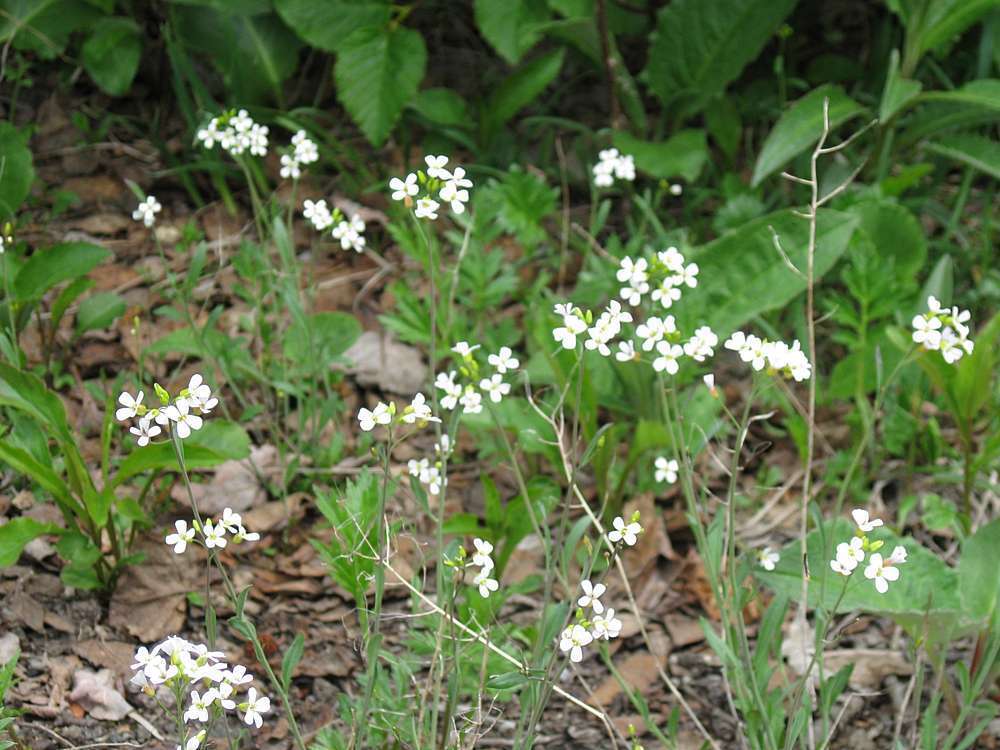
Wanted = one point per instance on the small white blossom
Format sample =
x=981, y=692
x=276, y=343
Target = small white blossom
x=368, y=418
x=666, y=470
x=881, y=572
x=592, y=595
x=624, y=532
x=471, y=400
x=215, y=536
x=147, y=210
x=864, y=521
x=504, y=360
x=318, y=213
x=495, y=387
x=436, y=167
x=179, y=412
x=181, y=538
x=653, y=330
x=573, y=325
x=573, y=639
x=626, y=352
x=485, y=583
x=144, y=431
x=426, y=209
x=404, y=190
x=200, y=703
x=606, y=626
x=669, y=356
x=464, y=350
x=254, y=707
x=768, y=558
x=452, y=390
x=419, y=411
x=130, y=405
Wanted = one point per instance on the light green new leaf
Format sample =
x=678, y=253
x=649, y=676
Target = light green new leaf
x=16, y=170
x=800, y=127
x=700, y=47
x=54, y=265
x=216, y=442
x=932, y=23
x=682, y=155
x=329, y=23
x=443, y=106
x=511, y=26
x=99, y=311
x=111, y=54
x=27, y=393
x=978, y=572
x=898, y=90
x=522, y=87
x=15, y=534
x=378, y=72
x=974, y=150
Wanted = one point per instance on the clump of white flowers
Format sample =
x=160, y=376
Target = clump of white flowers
x=467, y=386
x=213, y=534
x=426, y=190
x=236, y=133
x=612, y=165
x=302, y=151
x=429, y=473
x=851, y=554
x=776, y=356
x=482, y=558
x=147, y=210
x=417, y=413
x=943, y=330
x=594, y=622
x=348, y=232
x=203, y=685
x=182, y=413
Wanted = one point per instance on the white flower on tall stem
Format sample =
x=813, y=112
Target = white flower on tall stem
x=666, y=470
x=436, y=167
x=573, y=639
x=768, y=558
x=464, y=350
x=129, y=405
x=215, y=535
x=318, y=213
x=419, y=411
x=881, y=572
x=702, y=344
x=666, y=293
x=194, y=741
x=452, y=390
x=573, y=325
x=147, y=210
x=481, y=556
x=592, y=595
x=199, y=395
x=181, y=538
x=669, y=356
x=238, y=675
x=426, y=209
x=504, y=360
x=471, y=400
x=864, y=521
x=255, y=707
x=380, y=415
x=653, y=330
x=200, y=703
x=180, y=413
x=349, y=233
x=454, y=197
x=626, y=352
x=495, y=387
x=404, y=190
x=230, y=521
x=485, y=583
x=606, y=626
x=624, y=532
x=145, y=431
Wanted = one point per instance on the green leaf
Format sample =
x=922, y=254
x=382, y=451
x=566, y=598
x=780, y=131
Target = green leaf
x=507, y=681
x=111, y=54
x=16, y=169
x=54, y=265
x=24, y=391
x=67, y=297
x=378, y=72
x=291, y=659
x=895, y=233
x=511, y=26
x=522, y=87
x=15, y=534
x=700, y=47
x=43, y=26
x=800, y=127
x=930, y=25
x=898, y=91
x=218, y=441
x=976, y=151
x=78, y=549
x=982, y=93
x=682, y=155
x=24, y=463
x=744, y=275
x=99, y=311
x=722, y=118
x=442, y=106
x=321, y=337
x=329, y=23
x=978, y=572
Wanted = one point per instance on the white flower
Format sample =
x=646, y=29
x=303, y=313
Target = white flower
x=142, y=658
x=702, y=344
x=676, y=189
x=606, y=626
x=933, y=305
x=709, y=381
x=689, y=275
x=242, y=535
x=495, y=387
x=601, y=334
x=198, y=710
x=419, y=411
x=231, y=522
x=592, y=595
x=926, y=331
x=226, y=690
x=443, y=448
x=194, y=742
x=349, y=235
x=666, y=471
x=603, y=176
x=431, y=476
x=504, y=360
x=471, y=400
x=669, y=354
x=130, y=405
x=258, y=140
x=573, y=325
x=898, y=556
x=318, y=213
x=463, y=349
x=768, y=558
x=147, y=210
x=629, y=271
x=426, y=209
x=403, y=190
x=186, y=422
x=617, y=315
x=289, y=167
x=666, y=293
x=458, y=178
x=181, y=538
x=626, y=351
x=454, y=197
x=672, y=259
x=881, y=572
x=199, y=395
x=452, y=390
x=210, y=133
x=850, y=554
x=254, y=707
x=573, y=639
x=379, y=415
x=563, y=309
x=864, y=521
x=625, y=168
x=158, y=670
x=435, y=167
x=653, y=330
x=485, y=583
x=839, y=567
x=238, y=675
x=482, y=554
x=144, y=431
x=215, y=536
x=633, y=292
x=624, y=532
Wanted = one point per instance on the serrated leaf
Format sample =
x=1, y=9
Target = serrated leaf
x=111, y=54
x=329, y=23
x=522, y=87
x=682, y=155
x=16, y=533
x=700, y=47
x=54, y=265
x=800, y=127
x=511, y=26
x=974, y=150
x=17, y=171
x=378, y=72
x=99, y=311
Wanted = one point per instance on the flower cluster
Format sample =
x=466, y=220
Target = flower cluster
x=599, y=624
x=666, y=275
x=943, y=330
x=350, y=233
x=235, y=132
x=147, y=210
x=434, y=186
x=494, y=386
x=184, y=415
x=303, y=151
x=417, y=413
x=193, y=672
x=851, y=554
x=213, y=534
x=6, y=237
x=482, y=559
x=776, y=356
x=430, y=474
x=612, y=166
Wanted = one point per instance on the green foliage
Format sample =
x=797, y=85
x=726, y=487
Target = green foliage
x=511, y=26
x=111, y=54
x=682, y=155
x=51, y=266
x=328, y=25
x=7, y=715
x=978, y=152
x=17, y=171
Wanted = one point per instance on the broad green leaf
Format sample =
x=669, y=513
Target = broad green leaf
x=67, y=297
x=700, y=47
x=218, y=441
x=898, y=90
x=724, y=124
x=743, y=275
x=976, y=151
x=378, y=72
x=800, y=127
x=24, y=463
x=328, y=24
x=522, y=87
x=895, y=233
x=507, y=681
x=54, y=265
x=16, y=533
x=978, y=572
x=43, y=26
x=321, y=338
x=511, y=26
x=27, y=393
x=111, y=54
x=682, y=155
x=442, y=106
x=932, y=24
x=99, y=311
x=16, y=170
x=982, y=93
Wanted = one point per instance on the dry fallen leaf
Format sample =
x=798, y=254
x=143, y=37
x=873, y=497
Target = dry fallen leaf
x=10, y=644
x=234, y=484
x=95, y=692
x=381, y=361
